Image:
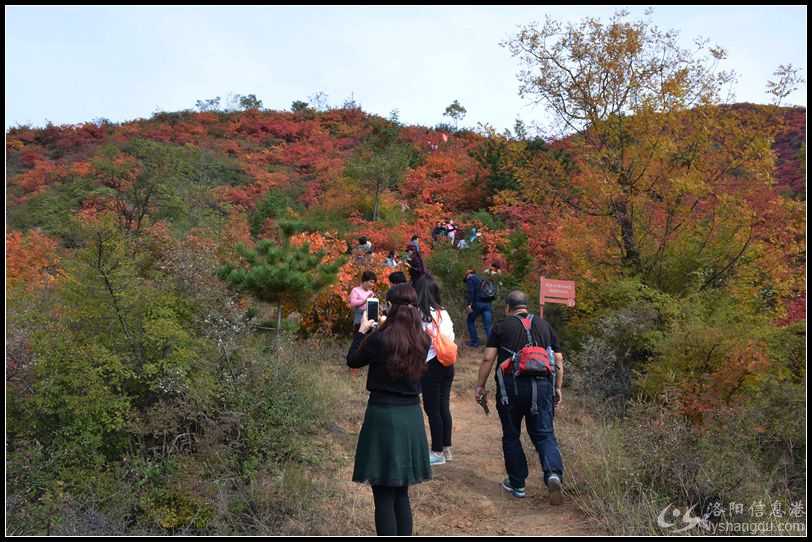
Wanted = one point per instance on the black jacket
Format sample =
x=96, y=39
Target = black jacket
x=383, y=387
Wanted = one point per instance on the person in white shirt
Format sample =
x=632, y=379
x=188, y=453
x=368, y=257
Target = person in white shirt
x=392, y=260
x=436, y=383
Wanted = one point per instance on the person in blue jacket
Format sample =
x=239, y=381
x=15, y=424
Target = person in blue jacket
x=476, y=306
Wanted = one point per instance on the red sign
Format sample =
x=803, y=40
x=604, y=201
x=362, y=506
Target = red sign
x=557, y=291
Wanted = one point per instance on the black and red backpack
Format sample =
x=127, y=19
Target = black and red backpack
x=532, y=360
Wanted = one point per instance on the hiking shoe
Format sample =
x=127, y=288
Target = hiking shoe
x=447, y=453
x=436, y=458
x=517, y=492
x=554, y=487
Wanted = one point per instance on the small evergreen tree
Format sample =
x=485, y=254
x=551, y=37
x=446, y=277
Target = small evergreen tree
x=279, y=273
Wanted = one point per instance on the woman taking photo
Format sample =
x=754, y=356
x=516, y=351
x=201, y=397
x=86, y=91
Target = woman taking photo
x=392, y=453
x=436, y=384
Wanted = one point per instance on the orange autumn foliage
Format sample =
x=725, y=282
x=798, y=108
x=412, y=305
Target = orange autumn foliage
x=32, y=259
x=329, y=311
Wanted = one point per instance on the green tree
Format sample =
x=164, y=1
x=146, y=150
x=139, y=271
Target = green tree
x=498, y=155
x=250, y=103
x=299, y=106
x=143, y=179
x=280, y=273
x=212, y=104
x=381, y=162
x=456, y=112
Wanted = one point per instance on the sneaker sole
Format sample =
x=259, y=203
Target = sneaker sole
x=556, y=498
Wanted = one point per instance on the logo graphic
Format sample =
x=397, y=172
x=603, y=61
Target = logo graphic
x=688, y=520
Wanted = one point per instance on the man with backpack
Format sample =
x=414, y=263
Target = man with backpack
x=529, y=376
x=478, y=295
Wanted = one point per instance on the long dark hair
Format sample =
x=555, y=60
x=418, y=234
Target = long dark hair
x=404, y=341
x=428, y=296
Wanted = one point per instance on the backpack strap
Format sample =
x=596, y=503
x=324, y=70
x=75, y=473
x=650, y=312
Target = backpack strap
x=435, y=324
x=534, y=404
x=503, y=397
x=527, y=324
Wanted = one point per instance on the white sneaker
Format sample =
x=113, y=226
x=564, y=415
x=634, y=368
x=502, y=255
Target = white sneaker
x=436, y=458
x=447, y=453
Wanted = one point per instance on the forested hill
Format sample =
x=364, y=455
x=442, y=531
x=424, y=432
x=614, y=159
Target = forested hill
x=143, y=397
x=324, y=164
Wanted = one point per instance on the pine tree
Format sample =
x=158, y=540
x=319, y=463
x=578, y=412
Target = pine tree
x=279, y=273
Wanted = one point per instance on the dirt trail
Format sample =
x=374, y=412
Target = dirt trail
x=465, y=496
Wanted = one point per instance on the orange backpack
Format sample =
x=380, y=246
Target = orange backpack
x=446, y=348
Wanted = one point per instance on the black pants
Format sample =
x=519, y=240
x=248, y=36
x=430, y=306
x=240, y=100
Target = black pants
x=436, y=387
x=393, y=511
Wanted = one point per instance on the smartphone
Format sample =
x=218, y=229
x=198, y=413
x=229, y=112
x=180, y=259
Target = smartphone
x=372, y=309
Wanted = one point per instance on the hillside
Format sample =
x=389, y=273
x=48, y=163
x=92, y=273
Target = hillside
x=146, y=396
x=230, y=161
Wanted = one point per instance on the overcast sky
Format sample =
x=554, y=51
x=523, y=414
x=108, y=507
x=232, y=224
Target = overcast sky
x=75, y=64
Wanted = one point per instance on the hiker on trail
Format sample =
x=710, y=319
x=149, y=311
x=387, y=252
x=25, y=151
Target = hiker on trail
x=363, y=250
x=438, y=231
x=359, y=296
x=398, y=277
x=415, y=263
x=415, y=241
x=392, y=452
x=529, y=388
x=494, y=272
x=465, y=240
x=478, y=296
x=358, y=253
x=392, y=260
x=452, y=231
x=438, y=378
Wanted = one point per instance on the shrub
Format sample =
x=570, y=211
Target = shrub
x=626, y=471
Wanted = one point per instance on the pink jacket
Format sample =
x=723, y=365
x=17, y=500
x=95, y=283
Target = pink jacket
x=359, y=296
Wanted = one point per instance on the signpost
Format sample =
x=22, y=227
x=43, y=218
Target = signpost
x=556, y=291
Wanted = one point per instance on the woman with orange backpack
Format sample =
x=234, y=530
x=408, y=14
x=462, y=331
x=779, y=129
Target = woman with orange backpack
x=440, y=360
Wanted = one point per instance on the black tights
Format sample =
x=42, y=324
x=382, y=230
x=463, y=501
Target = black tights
x=393, y=513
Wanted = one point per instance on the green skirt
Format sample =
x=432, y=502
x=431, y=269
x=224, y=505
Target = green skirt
x=392, y=447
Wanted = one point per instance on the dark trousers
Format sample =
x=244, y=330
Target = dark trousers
x=539, y=427
x=436, y=389
x=485, y=310
x=393, y=511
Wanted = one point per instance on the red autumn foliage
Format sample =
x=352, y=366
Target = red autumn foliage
x=727, y=384
x=453, y=180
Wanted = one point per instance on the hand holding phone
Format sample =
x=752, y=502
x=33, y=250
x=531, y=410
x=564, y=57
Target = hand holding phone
x=366, y=324
x=372, y=309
